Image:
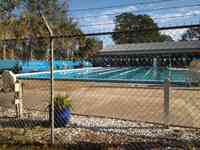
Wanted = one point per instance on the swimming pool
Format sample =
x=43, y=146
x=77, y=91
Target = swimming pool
x=108, y=74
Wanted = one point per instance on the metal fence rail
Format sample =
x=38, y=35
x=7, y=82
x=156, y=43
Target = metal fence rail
x=118, y=112
x=133, y=101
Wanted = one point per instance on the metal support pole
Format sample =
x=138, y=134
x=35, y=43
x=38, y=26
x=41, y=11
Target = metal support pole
x=155, y=68
x=166, y=101
x=52, y=76
x=52, y=89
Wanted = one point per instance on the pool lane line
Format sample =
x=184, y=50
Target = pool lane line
x=56, y=71
x=126, y=72
x=94, y=75
x=82, y=71
x=60, y=71
x=138, y=74
x=100, y=70
x=183, y=69
x=148, y=72
x=99, y=76
x=114, y=71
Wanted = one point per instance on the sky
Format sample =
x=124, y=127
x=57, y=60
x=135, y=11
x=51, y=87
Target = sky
x=164, y=12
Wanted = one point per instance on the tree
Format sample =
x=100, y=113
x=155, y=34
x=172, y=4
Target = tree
x=56, y=14
x=6, y=13
x=91, y=47
x=191, y=34
x=29, y=24
x=139, y=24
x=164, y=37
x=7, y=7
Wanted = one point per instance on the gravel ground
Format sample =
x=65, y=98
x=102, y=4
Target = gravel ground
x=33, y=128
x=134, y=129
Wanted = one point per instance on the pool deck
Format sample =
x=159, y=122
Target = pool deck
x=126, y=101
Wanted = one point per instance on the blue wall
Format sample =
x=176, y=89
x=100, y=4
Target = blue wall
x=7, y=64
x=36, y=65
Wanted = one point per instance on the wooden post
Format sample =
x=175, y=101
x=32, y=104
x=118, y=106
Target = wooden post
x=4, y=52
x=166, y=101
x=18, y=99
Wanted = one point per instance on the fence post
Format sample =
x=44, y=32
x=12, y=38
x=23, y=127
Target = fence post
x=51, y=72
x=4, y=52
x=166, y=101
x=18, y=99
x=52, y=90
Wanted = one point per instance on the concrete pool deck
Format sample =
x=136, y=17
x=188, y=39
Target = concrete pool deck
x=125, y=101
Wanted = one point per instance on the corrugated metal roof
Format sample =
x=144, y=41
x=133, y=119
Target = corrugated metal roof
x=153, y=46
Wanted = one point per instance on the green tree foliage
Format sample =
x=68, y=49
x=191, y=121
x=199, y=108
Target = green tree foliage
x=191, y=34
x=29, y=24
x=139, y=24
x=7, y=7
x=56, y=14
x=91, y=47
x=164, y=37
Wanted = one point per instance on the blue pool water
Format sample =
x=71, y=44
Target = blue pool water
x=140, y=74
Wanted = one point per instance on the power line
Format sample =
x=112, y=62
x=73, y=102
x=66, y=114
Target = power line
x=155, y=18
x=130, y=31
x=103, y=33
x=144, y=10
x=118, y=6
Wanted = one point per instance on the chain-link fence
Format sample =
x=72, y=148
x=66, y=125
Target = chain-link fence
x=113, y=105
x=111, y=89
